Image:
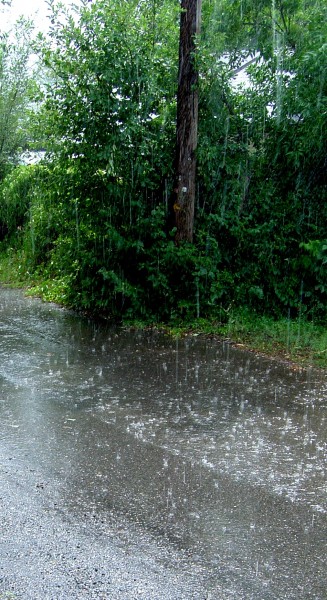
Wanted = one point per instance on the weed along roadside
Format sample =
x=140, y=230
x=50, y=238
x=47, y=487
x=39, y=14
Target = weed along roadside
x=300, y=342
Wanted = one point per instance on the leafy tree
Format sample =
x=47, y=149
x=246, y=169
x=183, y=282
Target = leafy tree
x=264, y=169
x=109, y=116
x=110, y=97
x=17, y=92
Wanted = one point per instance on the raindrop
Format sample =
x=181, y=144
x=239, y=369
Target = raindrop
x=278, y=54
x=197, y=295
x=226, y=141
x=77, y=225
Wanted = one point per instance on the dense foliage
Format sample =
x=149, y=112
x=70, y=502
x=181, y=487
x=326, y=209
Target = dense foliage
x=92, y=219
x=17, y=93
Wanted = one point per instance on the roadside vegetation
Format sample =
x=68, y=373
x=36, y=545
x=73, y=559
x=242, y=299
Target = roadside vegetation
x=94, y=225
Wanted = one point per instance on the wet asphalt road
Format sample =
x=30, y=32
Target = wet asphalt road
x=49, y=548
x=137, y=467
x=47, y=553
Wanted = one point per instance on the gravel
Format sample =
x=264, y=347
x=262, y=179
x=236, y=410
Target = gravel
x=47, y=552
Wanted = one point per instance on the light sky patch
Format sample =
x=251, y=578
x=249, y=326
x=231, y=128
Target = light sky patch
x=36, y=10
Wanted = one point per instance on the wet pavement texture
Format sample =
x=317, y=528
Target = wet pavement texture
x=137, y=466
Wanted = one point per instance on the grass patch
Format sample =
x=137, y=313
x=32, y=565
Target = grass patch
x=14, y=269
x=51, y=290
x=14, y=272
x=300, y=342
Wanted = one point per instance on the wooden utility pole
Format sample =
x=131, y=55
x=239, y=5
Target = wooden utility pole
x=183, y=197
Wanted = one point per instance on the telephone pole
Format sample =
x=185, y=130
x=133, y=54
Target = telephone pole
x=183, y=197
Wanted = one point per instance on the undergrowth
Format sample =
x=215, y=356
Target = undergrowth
x=296, y=340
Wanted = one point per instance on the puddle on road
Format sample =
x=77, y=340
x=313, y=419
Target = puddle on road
x=217, y=451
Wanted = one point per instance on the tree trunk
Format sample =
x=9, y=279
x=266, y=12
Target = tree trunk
x=183, y=197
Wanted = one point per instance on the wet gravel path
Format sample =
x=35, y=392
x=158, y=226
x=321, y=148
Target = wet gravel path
x=46, y=553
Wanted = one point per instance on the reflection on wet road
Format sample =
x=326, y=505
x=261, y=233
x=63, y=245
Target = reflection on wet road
x=220, y=453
